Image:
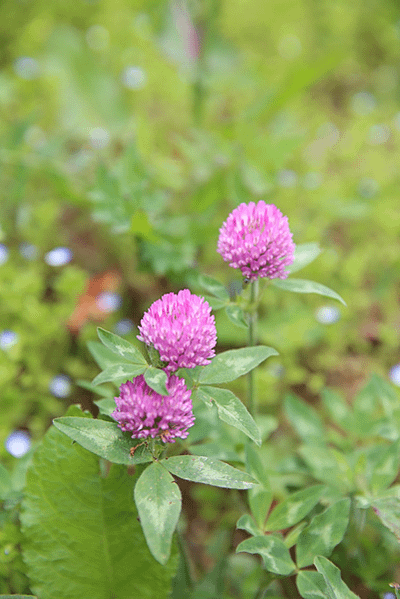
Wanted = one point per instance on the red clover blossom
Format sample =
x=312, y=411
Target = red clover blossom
x=256, y=238
x=181, y=328
x=145, y=413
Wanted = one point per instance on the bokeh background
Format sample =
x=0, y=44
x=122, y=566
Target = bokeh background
x=130, y=129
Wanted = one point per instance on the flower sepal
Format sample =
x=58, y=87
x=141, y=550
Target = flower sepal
x=157, y=447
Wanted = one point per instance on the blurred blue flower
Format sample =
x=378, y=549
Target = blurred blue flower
x=28, y=251
x=124, y=326
x=394, y=374
x=363, y=103
x=108, y=301
x=60, y=385
x=329, y=133
x=99, y=138
x=287, y=178
x=3, y=253
x=35, y=137
x=378, y=134
x=78, y=161
x=367, y=187
x=276, y=370
x=8, y=339
x=26, y=67
x=327, y=314
x=312, y=180
x=18, y=443
x=58, y=257
x=134, y=78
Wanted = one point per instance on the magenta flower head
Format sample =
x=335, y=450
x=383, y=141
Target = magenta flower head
x=256, y=238
x=145, y=413
x=181, y=328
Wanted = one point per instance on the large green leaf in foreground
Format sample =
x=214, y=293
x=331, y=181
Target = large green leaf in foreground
x=82, y=536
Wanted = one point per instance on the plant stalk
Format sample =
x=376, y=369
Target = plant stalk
x=252, y=405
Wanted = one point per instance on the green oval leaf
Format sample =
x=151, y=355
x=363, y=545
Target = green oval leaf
x=275, y=554
x=121, y=346
x=213, y=286
x=324, y=532
x=102, y=391
x=304, y=286
x=328, y=466
x=305, y=420
x=247, y=523
x=387, y=509
x=231, y=364
x=156, y=379
x=215, y=302
x=337, y=589
x=106, y=405
x=294, y=508
x=311, y=585
x=102, y=355
x=386, y=467
x=386, y=395
x=237, y=316
x=260, y=500
x=231, y=410
x=338, y=409
x=103, y=438
x=200, y=469
x=158, y=500
x=304, y=254
x=118, y=373
x=291, y=538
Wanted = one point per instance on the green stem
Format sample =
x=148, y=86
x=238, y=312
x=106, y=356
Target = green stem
x=198, y=85
x=252, y=341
